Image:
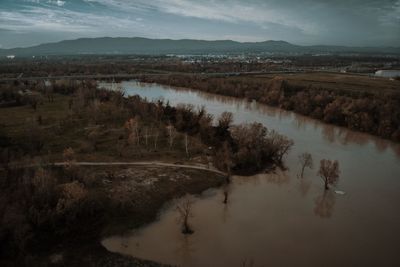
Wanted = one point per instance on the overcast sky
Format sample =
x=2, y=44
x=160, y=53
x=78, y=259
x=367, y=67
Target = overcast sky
x=333, y=22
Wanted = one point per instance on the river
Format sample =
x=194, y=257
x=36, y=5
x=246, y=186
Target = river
x=277, y=219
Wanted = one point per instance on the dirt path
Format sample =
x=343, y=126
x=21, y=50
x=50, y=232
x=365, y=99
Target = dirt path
x=142, y=163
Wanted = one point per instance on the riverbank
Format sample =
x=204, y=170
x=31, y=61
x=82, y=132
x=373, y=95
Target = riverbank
x=52, y=201
x=369, y=180
x=115, y=199
x=56, y=142
x=360, y=103
x=257, y=223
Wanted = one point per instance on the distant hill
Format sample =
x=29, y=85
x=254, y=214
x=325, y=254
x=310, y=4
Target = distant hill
x=144, y=46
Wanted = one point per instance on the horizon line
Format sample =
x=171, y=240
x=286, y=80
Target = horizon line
x=190, y=39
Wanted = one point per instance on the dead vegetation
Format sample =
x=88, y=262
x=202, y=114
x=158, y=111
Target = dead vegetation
x=76, y=121
x=306, y=161
x=329, y=172
x=361, y=103
x=184, y=209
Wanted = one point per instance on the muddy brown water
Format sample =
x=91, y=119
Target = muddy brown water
x=277, y=219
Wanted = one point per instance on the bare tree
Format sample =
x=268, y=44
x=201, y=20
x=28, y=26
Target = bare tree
x=146, y=135
x=171, y=134
x=225, y=197
x=305, y=160
x=225, y=120
x=329, y=172
x=226, y=194
x=281, y=145
x=156, y=139
x=137, y=130
x=255, y=145
x=186, y=145
x=185, y=212
x=132, y=127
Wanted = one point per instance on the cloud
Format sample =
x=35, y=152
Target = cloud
x=38, y=18
x=392, y=16
x=312, y=17
x=57, y=2
x=41, y=18
x=348, y=22
x=233, y=11
x=53, y=2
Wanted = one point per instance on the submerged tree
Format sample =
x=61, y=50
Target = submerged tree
x=305, y=160
x=185, y=212
x=280, y=144
x=225, y=197
x=329, y=172
x=255, y=146
x=226, y=194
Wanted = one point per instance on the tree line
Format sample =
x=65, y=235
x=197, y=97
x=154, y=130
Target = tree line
x=375, y=113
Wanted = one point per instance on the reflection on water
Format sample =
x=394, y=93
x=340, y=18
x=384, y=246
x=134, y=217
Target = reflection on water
x=277, y=219
x=185, y=248
x=278, y=177
x=324, y=204
x=304, y=186
x=216, y=104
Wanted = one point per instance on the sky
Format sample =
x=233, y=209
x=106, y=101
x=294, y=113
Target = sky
x=306, y=22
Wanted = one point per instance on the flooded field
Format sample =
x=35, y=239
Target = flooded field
x=278, y=219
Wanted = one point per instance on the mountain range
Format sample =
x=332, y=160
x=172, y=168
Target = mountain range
x=145, y=46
